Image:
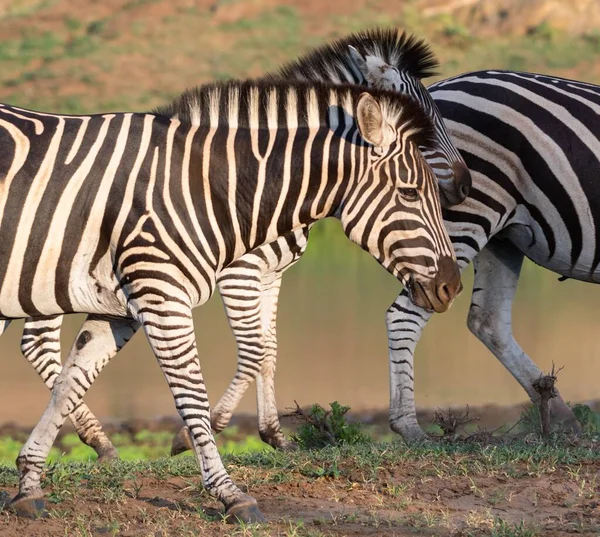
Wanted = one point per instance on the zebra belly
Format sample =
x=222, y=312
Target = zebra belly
x=531, y=241
x=70, y=287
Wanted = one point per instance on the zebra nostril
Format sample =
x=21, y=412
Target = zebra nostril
x=464, y=191
x=444, y=293
x=463, y=181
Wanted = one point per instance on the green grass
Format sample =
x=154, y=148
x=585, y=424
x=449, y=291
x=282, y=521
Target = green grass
x=363, y=462
x=389, y=472
x=144, y=445
x=515, y=459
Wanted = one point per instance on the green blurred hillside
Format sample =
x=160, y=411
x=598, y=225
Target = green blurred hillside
x=91, y=56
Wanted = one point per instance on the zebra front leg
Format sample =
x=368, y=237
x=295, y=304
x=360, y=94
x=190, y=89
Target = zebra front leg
x=497, y=269
x=97, y=342
x=172, y=340
x=40, y=345
x=240, y=289
x=405, y=322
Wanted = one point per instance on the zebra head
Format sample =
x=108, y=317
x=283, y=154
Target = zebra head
x=393, y=60
x=393, y=210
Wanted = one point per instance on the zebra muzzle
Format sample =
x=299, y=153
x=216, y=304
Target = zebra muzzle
x=438, y=293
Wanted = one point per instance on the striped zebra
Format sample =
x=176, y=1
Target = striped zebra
x=532, y=144
x=131, y=217
x=383, y=58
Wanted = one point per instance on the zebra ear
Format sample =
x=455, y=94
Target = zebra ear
x=375, y=71
x=371, y=122
x=359, y=61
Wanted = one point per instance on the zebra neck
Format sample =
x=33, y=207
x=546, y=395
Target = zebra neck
x=252, y=186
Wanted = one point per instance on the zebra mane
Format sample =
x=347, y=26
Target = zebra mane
x=403, y=51
x=270, y=102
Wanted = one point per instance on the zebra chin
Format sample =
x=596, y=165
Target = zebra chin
x=438, y=293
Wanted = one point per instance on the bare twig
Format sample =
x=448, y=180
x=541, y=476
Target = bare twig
x=449, y=422
x=545, y=386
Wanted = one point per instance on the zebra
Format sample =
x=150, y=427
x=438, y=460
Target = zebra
x=532, y=144
x=380, y=58
x=131, y=217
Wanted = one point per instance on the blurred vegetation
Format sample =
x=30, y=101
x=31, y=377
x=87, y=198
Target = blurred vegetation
x=136, y=54
x=143, y=445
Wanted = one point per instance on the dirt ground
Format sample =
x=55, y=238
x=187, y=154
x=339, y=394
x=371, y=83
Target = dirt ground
x=436, y=506
x=460, y=495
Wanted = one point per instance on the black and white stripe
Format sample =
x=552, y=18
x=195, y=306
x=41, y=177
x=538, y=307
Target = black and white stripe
x=132, y=217
x=249, y=287
x=532, y=143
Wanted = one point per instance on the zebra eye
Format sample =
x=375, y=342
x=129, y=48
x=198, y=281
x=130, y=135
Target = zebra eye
x=409, y=194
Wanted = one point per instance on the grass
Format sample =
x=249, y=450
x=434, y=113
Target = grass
x=377, y=472
x=144, y=445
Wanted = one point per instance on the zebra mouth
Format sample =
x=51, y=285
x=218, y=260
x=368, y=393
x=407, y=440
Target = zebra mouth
x=425, y=296
x=418, y=295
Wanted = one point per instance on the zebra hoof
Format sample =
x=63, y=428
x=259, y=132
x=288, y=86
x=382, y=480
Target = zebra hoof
x=288, y=445
x=27, y=507
x=107, y=455
x=412, y=435
x=283, y=444
x=182, y=442
x=245, y=511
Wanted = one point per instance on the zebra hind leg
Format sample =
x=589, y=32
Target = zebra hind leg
x=269, y=426
x=497, y=269
x=98, y=341
x=40, y=345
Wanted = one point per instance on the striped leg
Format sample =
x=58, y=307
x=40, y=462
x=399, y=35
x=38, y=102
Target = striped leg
x=241, y=295
x=250, y=288
x=497, y=269
x=405, y=321
x=97, y=342
x=40, y=345
x=250, y=297
x=269, y=427
x=253, y=320
x=171, y=337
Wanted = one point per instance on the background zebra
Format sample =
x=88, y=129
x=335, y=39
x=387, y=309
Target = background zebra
x=532, y=143
x=249, y=287
x=140, y=239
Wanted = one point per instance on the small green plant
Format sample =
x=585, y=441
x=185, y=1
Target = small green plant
x=588, y=419
x=320, y=427
x=501, y=528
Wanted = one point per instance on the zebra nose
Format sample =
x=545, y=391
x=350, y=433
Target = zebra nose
x=447, y=282
x=444, y=293
x=462, y=180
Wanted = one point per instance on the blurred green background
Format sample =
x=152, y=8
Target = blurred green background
x=117, y=55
